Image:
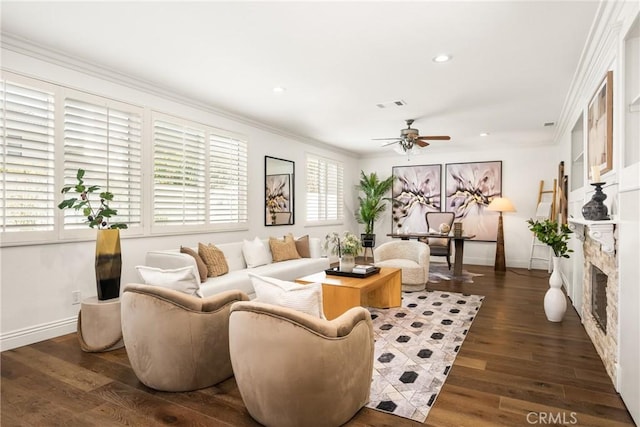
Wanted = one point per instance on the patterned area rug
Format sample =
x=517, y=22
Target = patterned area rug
x=439, y=272
x=415, y=347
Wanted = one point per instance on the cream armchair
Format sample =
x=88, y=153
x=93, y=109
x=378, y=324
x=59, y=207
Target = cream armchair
x=175, y=341
x=411, y=257
x=293, y=369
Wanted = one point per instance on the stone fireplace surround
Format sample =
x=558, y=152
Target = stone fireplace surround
x=599, y=249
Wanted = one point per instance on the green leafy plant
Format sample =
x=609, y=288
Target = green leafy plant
x=349, y=244
x=96, y=217
x=552, y=234
x=372, y=204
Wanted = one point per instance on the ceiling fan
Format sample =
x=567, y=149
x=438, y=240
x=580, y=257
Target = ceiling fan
x=410, y=137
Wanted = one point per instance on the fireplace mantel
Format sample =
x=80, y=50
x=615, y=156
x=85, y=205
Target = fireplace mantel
x=600, y=231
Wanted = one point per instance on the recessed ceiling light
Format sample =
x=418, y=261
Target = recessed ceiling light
x=484, y=134
x=279, y=89
x=442, y=58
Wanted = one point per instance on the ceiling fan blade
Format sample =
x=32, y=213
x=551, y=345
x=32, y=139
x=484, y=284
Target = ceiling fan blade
x=386, y=144
x=386, y=139
x=435, y=138
x=420, y=143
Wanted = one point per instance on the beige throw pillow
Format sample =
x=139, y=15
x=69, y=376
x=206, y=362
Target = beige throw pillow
x=302, y=246
x=214, y=258
x=202, y=267
x=283, y=250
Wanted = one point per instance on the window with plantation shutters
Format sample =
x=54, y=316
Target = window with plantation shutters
x=324, y=189
x=179, y=174
x=27, y=147
x=103, y=137
x=227, y=180
x=200, y=176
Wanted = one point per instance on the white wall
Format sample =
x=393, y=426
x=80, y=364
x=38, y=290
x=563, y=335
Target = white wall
x=37, y=280
x=606, y=51
x=522, y=170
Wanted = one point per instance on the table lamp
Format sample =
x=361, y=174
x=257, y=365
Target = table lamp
x=500, y=204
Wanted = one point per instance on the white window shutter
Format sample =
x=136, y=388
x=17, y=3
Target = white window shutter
x=27, y=147
x=324, y=189
x=105, y=141
x=227, y=180
x=179, y=195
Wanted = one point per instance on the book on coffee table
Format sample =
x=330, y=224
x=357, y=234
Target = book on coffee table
x=363, y=269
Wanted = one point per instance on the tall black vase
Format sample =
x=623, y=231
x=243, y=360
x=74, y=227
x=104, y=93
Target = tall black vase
x=108, y=264
x=594, y=209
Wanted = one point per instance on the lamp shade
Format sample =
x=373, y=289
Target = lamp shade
x=501, y=204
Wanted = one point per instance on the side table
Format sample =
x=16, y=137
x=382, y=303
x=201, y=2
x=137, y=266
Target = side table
x=99, y=327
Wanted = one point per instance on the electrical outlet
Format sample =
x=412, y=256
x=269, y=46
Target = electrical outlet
x=75, y=297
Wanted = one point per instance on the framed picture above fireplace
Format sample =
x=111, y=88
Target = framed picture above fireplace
x=600, y=128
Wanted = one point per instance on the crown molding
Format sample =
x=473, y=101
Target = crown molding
x=597, y=56
x=63, y=59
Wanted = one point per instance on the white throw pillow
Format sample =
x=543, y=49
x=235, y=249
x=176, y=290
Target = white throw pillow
x=304, y=298
x=255, y=253
x=185, y=279
x=434, y=241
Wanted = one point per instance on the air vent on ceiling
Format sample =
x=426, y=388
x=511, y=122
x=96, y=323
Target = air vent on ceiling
x=398, y=103
x=550, y=124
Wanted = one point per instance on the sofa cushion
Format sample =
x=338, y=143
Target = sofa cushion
x=255, y=253
x=304, y=298
x=214, y=259
x=283, y=250
x=183, y=279
x=302, y=246
x=202, y=267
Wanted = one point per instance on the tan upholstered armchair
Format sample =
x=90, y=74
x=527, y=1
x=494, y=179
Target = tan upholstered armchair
x=293, y=369
x=175, y=341
x=410, y=256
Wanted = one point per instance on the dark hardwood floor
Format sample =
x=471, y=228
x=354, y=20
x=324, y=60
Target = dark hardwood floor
x=515, y=368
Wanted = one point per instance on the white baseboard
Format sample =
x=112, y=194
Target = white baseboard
x=37, y=333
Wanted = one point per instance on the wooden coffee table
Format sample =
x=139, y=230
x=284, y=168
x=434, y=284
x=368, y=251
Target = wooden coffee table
x=340, y=293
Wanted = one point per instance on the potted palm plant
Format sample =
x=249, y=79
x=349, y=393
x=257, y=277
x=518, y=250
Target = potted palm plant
x=108, y=261
x=372, y=204
x=556, y=237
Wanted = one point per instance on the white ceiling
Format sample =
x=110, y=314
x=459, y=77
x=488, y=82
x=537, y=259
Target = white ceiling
x=513, y=61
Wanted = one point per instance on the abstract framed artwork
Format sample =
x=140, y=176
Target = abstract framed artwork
x=416, y=191
x=470, y=187
x=600, y=128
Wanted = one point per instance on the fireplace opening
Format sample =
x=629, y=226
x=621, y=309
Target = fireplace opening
x=599, y=297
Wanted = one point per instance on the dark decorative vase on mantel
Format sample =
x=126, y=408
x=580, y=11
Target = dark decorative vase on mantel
x=594, y=209
x=108, y=264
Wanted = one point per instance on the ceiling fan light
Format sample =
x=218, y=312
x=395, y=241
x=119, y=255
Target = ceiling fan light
x=399, y=148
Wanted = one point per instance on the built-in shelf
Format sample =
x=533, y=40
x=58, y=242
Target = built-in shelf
x=602, y=232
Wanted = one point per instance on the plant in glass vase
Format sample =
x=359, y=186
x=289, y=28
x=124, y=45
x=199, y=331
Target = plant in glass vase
x=108, y=260
x=346, y=248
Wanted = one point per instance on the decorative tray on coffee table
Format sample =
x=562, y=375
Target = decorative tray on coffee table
x=335, y=271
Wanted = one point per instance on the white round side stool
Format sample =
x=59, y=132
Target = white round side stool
x=99, y=327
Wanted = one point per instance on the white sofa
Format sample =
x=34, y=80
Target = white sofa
x=238, y=276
